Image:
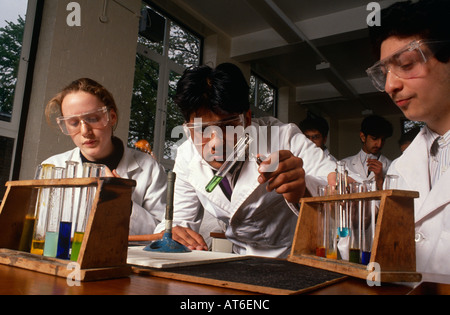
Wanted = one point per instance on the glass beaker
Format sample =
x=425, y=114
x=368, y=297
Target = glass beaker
x=65, y=224
x=53, y=215
x=38, y=239
x=390, y=182
x=30, y=217
x=87, y=195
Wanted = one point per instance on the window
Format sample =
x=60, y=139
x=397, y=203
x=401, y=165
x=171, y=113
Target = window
x=407, y=125
x=15, y=45
x=263, y=97
x=165, y=49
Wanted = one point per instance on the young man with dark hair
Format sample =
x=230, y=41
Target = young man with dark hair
x=369, y=163
x=315, y=128
x=413, y=44
x=256, y=201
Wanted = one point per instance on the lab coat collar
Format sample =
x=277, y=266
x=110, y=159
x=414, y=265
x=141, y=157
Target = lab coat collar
x=357, y=168
x=128, y=162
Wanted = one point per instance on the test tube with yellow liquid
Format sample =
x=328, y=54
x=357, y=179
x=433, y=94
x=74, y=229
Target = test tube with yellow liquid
x=331, y=226
x=84, y=207
x=30, y=217
x=38, y=239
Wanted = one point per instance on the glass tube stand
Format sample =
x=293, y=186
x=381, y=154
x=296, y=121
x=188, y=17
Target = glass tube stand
x=103, y=251
x=393, y=246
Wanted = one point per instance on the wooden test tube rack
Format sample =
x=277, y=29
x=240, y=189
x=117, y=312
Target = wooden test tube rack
x=393, y=245
x=103, y=252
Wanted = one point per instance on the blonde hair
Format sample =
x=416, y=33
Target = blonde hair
x=87, y=85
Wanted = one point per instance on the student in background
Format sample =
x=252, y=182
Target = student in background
x=369, y=163
x=316, y=129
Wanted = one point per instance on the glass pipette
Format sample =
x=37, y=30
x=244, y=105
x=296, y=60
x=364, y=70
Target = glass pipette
x=238, y=151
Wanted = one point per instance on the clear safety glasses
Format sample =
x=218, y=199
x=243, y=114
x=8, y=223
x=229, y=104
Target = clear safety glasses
x=96, y=119
x=406, y=63
x=202, y=132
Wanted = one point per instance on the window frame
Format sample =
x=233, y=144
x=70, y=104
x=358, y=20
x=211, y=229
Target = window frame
x=15, y=128
x=258, y=81
x=166, y=66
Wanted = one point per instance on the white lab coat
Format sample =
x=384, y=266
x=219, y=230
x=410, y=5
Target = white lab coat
x=257, y=222
x=149, y=195
x=432, y=208
x=354, y=165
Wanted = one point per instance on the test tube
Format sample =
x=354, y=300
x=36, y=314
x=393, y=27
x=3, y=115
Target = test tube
x=331, y=226
x=342, y=188
x=38, y=239
x=321, y=223
x=30, y=217
x=84, y=206
x=53, y=215
x=238, y=152
x=355, y=224
x=65, y=224
x=368, y=223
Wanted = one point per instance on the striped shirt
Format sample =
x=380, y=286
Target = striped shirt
x=439, y=154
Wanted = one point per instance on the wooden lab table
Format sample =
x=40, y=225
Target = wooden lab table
x=18, y=281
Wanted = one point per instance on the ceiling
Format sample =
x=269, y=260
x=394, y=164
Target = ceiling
x=320, y=47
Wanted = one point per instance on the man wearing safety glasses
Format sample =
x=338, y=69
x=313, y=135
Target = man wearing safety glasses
x=413, y=42
x=257, y=200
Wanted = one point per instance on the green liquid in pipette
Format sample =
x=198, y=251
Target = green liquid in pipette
x=213, y=183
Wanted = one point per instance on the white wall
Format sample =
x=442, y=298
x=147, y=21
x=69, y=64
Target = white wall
x=102, y=51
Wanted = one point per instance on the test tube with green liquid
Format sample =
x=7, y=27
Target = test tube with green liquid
x=84, y=206
x=238, y=151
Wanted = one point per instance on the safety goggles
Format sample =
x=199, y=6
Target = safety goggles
x=202, y=132
x=96, y=119
x=406, y=63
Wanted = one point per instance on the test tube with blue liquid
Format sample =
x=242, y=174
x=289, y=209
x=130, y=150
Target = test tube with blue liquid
x=238, y=153
x=84, y=207
x=65, y=224
x=53, y=216
x=342, y=188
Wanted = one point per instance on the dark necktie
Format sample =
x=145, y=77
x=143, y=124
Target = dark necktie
x=226, y=188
